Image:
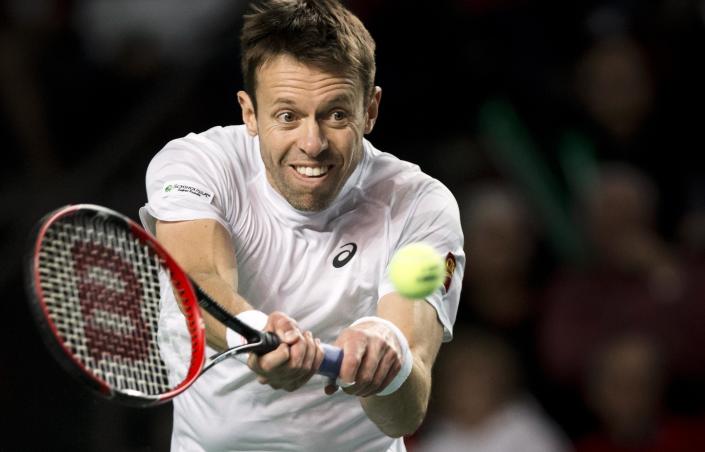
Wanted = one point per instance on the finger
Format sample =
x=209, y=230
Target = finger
x=266, y=381
x=270, y=361
x=392, y=372
x=297, y=356
x=302, y=372
x=376, y=350
x=286, y=328
x=386, y=371
x=366, y=372
x=312, y=351
x=353, y=353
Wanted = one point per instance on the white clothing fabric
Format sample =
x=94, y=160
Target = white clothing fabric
x=519, y=426
x=325, y=269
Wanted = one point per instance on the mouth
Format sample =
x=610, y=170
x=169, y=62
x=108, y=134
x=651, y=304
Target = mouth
x=311, y=171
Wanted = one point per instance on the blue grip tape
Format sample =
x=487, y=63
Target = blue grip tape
x=332, y=360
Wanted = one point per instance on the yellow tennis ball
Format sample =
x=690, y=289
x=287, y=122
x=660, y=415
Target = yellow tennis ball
x=416, y=270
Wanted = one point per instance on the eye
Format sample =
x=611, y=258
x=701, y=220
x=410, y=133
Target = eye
x=338, y=115
x=286, y=116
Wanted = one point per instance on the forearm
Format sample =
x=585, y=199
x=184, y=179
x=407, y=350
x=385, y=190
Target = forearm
x=224, y=293
x=204, y=250
x=402, y=412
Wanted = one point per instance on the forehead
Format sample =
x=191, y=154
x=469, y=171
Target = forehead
x=285, y=78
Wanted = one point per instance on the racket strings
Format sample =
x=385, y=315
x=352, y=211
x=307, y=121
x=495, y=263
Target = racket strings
x=101, y=289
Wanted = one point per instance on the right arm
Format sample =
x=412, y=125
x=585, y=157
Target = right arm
x=204, y=250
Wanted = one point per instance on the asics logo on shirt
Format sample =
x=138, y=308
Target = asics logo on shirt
x=344, y=256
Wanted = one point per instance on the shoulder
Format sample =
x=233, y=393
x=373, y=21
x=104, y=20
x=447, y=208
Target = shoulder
x=217, y=148
x=398, y=183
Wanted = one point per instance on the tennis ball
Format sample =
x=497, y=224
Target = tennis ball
x=416, y=270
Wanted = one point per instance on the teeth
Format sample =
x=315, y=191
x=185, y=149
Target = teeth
x=312, y=171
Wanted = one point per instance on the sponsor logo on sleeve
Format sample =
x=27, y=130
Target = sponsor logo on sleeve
x=450, y=269
x=187, y=190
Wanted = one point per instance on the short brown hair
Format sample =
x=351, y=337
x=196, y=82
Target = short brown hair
x=321, y=33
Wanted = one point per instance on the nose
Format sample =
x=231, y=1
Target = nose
x=312, y=140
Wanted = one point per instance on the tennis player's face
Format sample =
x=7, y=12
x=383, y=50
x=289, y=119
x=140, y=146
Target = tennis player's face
x=310, y=125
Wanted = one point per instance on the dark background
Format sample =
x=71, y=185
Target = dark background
x=570, y=133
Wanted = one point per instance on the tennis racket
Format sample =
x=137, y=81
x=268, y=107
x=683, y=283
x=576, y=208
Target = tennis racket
x=95, y=277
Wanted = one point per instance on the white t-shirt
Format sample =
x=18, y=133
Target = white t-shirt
x=325, y=269
x=521, y=425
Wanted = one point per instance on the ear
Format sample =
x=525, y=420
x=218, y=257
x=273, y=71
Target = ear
x=249, y=116
x=373, y=110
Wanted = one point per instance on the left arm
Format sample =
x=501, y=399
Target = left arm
x=373, y=357
x=373, y=350
x=402, y=412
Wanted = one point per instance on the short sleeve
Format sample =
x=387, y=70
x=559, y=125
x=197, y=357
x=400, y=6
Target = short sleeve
x=433, y=218
x=191, y=178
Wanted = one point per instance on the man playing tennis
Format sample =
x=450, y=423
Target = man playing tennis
x=296, y=215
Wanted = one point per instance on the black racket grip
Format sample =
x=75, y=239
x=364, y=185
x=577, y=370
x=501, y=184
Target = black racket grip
x=332, y=355
x=269, y=341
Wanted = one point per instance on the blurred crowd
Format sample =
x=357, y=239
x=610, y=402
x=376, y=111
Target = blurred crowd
x=568, y=132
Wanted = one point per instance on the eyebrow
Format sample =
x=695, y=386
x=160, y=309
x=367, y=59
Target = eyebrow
x=284, y=100
x=339, y=99
x=342, y=99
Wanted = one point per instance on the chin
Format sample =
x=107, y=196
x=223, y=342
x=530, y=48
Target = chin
x=309, y=206
x=310, y=203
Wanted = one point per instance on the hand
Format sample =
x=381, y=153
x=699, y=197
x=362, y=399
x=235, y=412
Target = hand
x=372, y=358
x=291, y=364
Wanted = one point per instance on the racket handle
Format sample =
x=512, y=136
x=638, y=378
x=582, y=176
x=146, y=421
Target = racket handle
x=269, y=342
x=332, y=355
x=332, y=360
